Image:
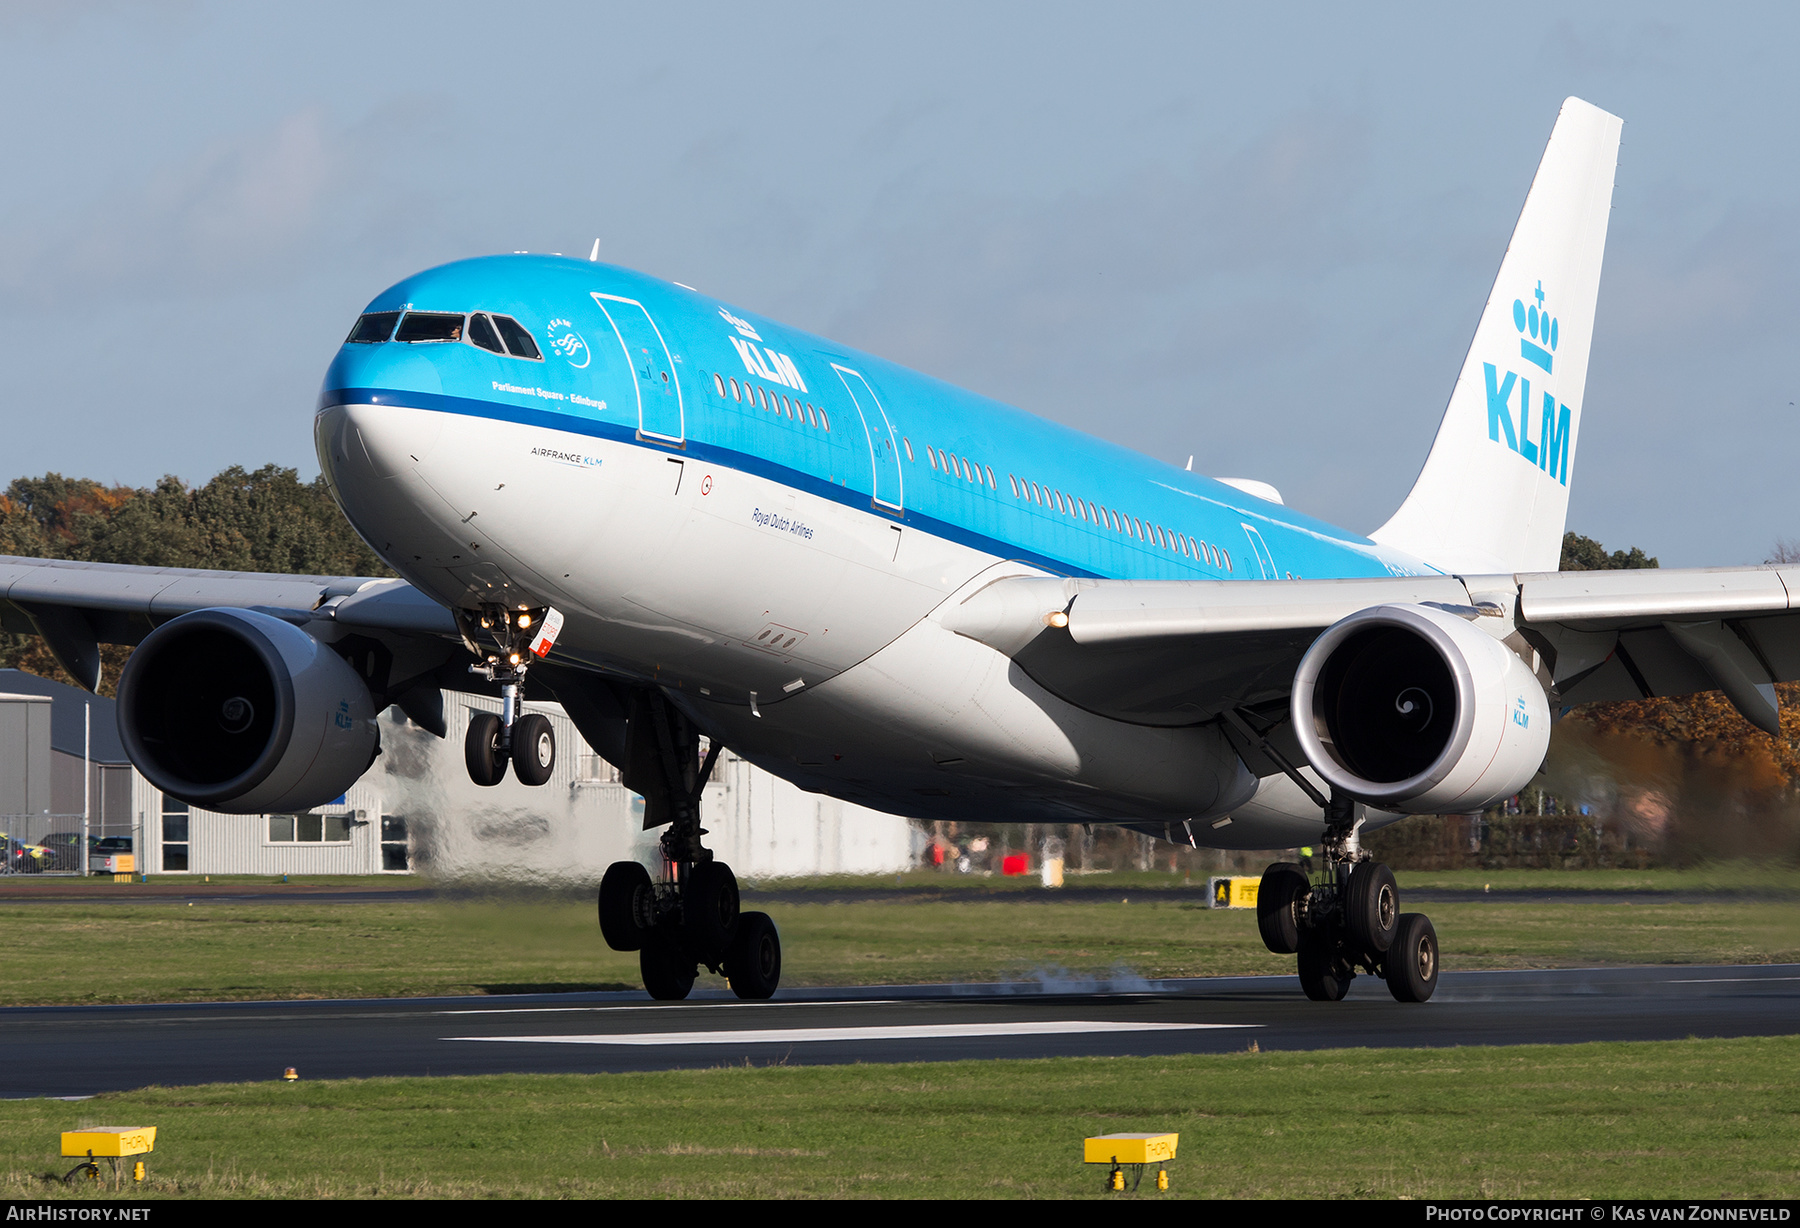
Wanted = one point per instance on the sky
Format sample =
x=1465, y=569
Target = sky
x=1257, y=235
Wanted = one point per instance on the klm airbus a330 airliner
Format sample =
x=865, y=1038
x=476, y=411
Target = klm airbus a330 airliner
x=686, y=522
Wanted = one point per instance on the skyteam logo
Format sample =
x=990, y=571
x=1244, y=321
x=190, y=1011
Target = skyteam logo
x=567, y=342
x=1539, y=333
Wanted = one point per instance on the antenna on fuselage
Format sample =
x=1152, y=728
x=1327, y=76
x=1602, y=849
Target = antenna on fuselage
x=595, y=254
x=1190, y=464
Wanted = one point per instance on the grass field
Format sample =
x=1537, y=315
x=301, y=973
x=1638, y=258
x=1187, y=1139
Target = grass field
x=91, y=952
x=1681, y=1119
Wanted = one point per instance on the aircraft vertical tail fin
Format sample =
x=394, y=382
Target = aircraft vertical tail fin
x=1494, y=493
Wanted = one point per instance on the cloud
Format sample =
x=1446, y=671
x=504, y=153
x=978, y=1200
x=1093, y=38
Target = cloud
x=260, y=206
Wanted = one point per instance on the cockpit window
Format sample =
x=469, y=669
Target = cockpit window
x=376, y=326
x=481, y=332
x=518, y=342
x=430, y=326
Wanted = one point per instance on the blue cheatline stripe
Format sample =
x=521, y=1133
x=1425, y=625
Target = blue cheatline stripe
x=747, y=462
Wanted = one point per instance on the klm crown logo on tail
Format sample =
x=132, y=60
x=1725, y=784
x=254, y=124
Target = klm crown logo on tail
x=1539, y=334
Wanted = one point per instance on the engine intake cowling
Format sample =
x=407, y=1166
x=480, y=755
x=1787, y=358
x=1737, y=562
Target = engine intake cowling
x=1411, y=708
x=237, y=711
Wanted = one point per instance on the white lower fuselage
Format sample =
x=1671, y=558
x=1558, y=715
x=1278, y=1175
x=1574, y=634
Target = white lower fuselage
x=803, y=632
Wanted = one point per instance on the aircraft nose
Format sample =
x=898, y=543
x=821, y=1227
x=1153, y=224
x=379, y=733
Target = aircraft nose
x=358, y=443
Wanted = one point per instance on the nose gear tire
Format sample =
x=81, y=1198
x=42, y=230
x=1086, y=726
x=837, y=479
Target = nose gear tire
x=533, y=749
x=481, y=749
x=753, y=964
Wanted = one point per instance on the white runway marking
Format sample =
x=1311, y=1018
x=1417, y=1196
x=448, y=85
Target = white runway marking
x=683, y=1006
x=909, y=1031
x=1733, y=980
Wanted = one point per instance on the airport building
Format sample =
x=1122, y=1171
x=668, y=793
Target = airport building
x=416, y=810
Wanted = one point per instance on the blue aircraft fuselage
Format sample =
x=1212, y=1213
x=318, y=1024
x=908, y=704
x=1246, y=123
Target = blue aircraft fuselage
x=629, y=358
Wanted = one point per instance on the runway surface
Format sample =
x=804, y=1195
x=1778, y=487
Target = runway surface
x=75, y=1051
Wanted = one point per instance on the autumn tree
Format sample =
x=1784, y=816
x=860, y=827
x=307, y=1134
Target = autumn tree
x=263, y=520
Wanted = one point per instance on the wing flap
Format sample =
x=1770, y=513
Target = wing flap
x=1602, y=596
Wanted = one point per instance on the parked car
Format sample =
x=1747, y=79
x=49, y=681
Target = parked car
x=65, y=849
x=23, y=858
x=101, y=855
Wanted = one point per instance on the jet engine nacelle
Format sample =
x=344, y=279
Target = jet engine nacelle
x=1411, y=708
x=240, y=712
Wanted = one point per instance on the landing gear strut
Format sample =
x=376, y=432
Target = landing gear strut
x=689, y=915
x=1349, y=920
x=527, y=741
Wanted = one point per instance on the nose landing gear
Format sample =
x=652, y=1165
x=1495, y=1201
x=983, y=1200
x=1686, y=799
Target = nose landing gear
x=1349, y=920
x=526, y=741
x=689, y=916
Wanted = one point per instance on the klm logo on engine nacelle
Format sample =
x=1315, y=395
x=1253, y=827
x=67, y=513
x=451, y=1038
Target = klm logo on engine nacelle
x=759, y=360
x=1538, y=338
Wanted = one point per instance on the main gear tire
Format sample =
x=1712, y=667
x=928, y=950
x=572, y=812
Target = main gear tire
x=668, y=974
x=1278, y=899
x=627, y=906
x=1371, y=908
x=709, y=909
x=1325, y=974
x=1411, y=967
x=753, y=964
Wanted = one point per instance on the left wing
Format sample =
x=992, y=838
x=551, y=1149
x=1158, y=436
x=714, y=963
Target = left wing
x=1174, y=652
x=1420, y=693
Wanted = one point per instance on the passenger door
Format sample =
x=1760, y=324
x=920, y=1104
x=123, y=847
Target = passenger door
x=1265, y=561
x=661, y=414
x=884, y=454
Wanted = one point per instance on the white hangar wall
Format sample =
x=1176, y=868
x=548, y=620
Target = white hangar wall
x=417, y=811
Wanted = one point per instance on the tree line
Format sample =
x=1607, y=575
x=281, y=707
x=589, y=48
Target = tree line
x=264, y=520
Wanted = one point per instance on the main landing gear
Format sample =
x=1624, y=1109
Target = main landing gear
x=1351, y=919
x=527, y=740
x=689, y=916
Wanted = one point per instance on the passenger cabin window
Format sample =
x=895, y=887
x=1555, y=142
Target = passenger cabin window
x=518, y=342
x=420, y=326
x=373, y=327
x=481, y=332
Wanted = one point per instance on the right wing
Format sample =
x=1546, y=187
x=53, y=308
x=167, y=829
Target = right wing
x=78, y=606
